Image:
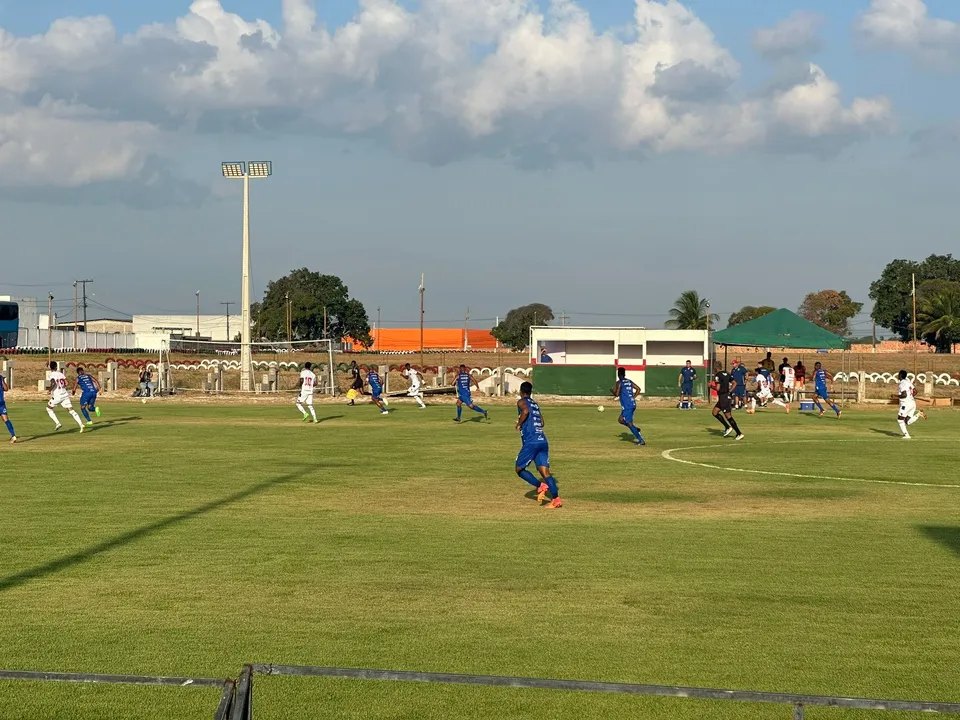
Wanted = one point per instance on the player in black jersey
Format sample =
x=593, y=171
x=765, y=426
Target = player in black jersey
x=722, y=411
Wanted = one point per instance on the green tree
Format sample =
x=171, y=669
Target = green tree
x=830, y=310
x=309, y=293
x=938, y=314
x=690, y=312
x=892, y=302
x=514, y=331
x=748, y=313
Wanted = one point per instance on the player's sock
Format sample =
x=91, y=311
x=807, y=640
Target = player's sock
x=903, y=426
x=86, y=415
x=778, y=401
x=736, y=428
x=477, y=408
x=53, y=415
x=302, y=409
x=313, y=413
x=753, y=405
x=419, y=401
x=723, y=421
x=552, y=484
x=529, y=477
x=636, y=433
x=836, y=410
x=10, y=428
x=913, y=419
x=819, y=406
x=459, y=412
x=76, y=417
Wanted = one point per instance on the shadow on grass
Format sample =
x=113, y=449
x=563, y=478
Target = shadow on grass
x=75, y=430
x=640, y=496
x=81, y=556
x=328, y=418
x=946, y=535
x=888, y=433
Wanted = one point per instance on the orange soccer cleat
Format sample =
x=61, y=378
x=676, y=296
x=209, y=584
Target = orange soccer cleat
x=542, y=492
x=557, y=503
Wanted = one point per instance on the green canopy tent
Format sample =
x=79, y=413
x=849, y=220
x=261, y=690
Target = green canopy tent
x=781, y=329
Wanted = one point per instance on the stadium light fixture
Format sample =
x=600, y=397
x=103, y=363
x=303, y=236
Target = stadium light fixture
x=244, y=171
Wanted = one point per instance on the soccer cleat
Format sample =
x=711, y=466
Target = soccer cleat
x=820, y=414
x=740, y=436
x=839, y=413
x=89, y=423
x=13, y=440
x=486, y=415
x=57, y=427
x=907, y=437
x=542, y=492
x=641, y=441
x=726, y=433
x=557, y=503
x=788, y=409
x=97, y=411
x=384, y=412
x=315, y=421
x=81, y=428
x=922, y=415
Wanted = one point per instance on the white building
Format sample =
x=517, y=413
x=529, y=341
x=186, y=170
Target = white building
x=218, y=328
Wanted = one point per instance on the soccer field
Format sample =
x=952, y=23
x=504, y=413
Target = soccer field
x=186, y=540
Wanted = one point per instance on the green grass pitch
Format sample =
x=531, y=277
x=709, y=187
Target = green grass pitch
x=185, y=540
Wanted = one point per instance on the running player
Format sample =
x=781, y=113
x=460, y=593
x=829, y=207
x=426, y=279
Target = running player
x=464, y=383
x=722, y=411
x=800, y=384
x=820, y=378
x=376, y=390
x=534, y=448
x=685, y=382
x=789, y=380
x=739, y=374
x=413, y=376
x=356, y=383
x=764, y=394
x=626, y=390
x=60, y=396
x=908, y=414
x=3, y=409
x=308, y=381
x=89, y=387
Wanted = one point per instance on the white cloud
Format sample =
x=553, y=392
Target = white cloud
x=906, y=25
x=453, y=78
x=797, y=35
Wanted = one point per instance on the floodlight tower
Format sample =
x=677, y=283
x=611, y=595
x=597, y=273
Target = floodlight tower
x=244, y=171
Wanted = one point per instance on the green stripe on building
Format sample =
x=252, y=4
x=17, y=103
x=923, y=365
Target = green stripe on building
x=661, y=381
x=589, y=380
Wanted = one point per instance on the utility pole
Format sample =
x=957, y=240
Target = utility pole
x=228, y=304
x=376, y=338
x=913, y=282
x=49, y=329
x=874, y=336
x=198, y=315
x=289, y=320
x=76, y=318
x=84, y=284
x=422, y=289
x=466, y=322
x=324, y=322
x=563, y=318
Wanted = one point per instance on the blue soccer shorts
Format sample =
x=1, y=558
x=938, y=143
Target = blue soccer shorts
x=627, y=415
x=537, y=453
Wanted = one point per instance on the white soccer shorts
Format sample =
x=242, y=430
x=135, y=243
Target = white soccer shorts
x=306, y=398
x=413, y=391
x=908, y=408
x=764, y=394
x=59, y=399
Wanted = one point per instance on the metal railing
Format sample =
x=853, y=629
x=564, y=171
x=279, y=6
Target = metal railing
x=236, y=699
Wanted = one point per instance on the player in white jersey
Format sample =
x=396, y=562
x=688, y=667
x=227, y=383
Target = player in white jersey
x=60, y=395
x=764, y=392
x=308, y=381
x=789, y=381
x=908, y=414
x=413, y=376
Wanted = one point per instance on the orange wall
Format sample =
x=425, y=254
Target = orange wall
x=408, y=339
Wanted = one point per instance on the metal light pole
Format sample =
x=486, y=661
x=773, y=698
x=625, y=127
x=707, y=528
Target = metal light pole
x=198, y=315
x=422, y=290
x=244, y=171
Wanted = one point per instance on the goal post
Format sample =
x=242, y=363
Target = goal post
x=212, y=366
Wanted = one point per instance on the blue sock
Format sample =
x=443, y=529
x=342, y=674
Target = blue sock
x=459, y=411
x=552, y=484
x=10, y=428
x=836, y=410
x=86, y=415
x=819, y=406
x=636, y=432
x=529, y=477
x=477, y=408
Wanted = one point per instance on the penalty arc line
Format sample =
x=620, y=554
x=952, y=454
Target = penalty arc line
x=668, y=455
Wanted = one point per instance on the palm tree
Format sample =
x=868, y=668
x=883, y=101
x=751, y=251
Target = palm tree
x=690, y=312
x=939, y=316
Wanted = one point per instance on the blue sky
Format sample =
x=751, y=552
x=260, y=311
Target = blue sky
x=601, y=167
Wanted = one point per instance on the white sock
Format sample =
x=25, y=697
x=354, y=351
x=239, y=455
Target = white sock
x=903, y=426
x=301, y=409
x=913, y=419
x=420, y=401
x=313, y=413
x=53, y=415
x=778, y=401
x=753, y=403
x=73, y=414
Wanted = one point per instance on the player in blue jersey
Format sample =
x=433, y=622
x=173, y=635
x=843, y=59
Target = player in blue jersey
x=89, y=388
x=820, y=378
x=534, y=448
x=739, y=374
x=685, y=382
x=376, y=390
x=626, y=390
x=464, y=383
x=3, y=409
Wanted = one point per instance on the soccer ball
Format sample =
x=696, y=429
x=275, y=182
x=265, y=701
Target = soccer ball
x=600, y=408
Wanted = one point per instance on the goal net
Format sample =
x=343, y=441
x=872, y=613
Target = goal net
x=186, y=365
